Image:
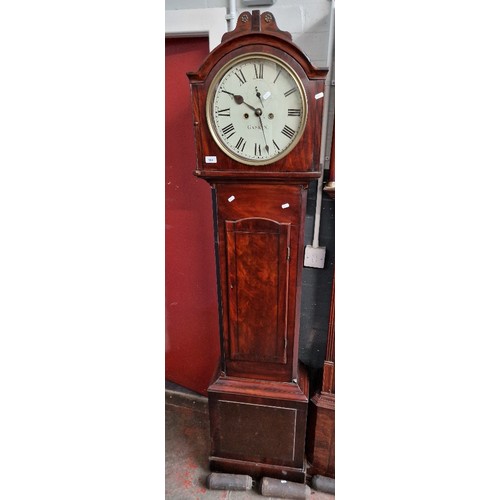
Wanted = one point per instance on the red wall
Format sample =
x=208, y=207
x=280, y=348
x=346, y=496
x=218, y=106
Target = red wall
x=192, y=326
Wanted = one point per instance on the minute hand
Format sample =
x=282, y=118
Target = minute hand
x=263, y=133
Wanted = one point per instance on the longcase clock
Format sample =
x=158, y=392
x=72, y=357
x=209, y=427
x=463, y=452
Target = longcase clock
x=257, y=106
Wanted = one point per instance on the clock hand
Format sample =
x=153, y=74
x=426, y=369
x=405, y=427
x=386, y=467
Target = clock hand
x=238, y=99
x=258, y=113
x=257, y=110
x=263, y=133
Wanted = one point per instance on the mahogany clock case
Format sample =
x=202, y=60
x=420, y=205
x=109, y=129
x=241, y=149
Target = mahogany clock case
x=258, y=403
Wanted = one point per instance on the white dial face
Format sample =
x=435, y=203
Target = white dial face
x=256, y=109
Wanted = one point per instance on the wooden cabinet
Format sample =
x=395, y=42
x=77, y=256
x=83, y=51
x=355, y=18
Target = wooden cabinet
x=258, y=152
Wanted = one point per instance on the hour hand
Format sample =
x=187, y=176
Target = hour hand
x=238, y=99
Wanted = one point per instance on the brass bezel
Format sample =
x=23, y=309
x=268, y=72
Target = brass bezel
x=210, y=100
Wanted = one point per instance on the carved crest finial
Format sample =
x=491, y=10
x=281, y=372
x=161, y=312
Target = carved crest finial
x=255, y=22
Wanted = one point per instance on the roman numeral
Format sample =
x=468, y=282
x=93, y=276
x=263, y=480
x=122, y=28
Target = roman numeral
x=227, y=130
x=257, y=150
x=288, y=131
x=293, y=112
x=242, y=77
x=225, y=112
x=241, y=144
x=291, y=91
x=276, y=146
x=279, y=73
x=259, y=72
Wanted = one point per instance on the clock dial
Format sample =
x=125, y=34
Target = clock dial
x=256, y=109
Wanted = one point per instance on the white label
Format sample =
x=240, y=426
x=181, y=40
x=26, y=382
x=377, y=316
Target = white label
x=319, y=96
x=283, y=481
x=285, y=205
x=210, y=159
x=231, y=198
x=266, y=95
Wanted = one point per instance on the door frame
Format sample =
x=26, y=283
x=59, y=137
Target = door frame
x=197, y=22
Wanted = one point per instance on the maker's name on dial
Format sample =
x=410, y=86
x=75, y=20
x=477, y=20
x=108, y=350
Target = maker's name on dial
x=256, y=127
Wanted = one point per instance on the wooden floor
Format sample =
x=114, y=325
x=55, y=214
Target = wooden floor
x=187, y=449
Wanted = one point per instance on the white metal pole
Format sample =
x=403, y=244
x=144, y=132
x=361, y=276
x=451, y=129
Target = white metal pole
x=231, y=16
x=328, y=84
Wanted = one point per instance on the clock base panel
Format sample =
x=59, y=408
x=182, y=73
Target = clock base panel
x=259, y=427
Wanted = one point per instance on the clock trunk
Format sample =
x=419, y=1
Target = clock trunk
x=260, y=235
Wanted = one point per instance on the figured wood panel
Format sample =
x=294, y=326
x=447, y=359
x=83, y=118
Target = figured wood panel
x=257, y=258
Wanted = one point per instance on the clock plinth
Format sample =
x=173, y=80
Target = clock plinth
x=258, y=427
x=257, y=116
